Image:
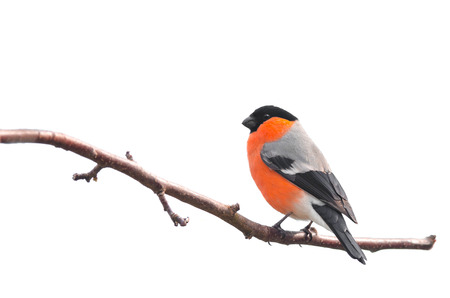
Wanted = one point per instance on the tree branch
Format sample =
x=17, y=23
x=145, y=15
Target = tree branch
x=162, y=187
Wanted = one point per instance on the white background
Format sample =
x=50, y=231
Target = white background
x=171, y=81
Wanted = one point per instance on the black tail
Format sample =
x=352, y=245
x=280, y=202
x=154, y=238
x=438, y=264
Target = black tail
x=336, y=223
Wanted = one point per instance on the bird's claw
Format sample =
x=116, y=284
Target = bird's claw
x=307, y=231
x=277, y=226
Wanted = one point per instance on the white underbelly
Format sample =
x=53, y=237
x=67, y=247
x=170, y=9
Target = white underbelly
x=304, y=210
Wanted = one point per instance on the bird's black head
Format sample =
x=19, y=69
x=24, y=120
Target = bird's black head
x=262, y=114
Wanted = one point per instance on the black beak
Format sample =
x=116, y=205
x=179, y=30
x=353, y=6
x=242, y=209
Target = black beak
x=250, y=123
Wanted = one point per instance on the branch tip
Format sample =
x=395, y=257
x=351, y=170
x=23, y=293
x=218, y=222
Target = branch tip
x=129, y=156
x=92, y=174
x=178, y=220
x=432, y=239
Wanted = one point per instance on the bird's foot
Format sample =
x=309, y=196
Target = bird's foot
x=307, y=231
x=278, y=225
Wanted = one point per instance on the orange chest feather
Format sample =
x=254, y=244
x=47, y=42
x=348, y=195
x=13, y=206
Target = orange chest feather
x=278, y=192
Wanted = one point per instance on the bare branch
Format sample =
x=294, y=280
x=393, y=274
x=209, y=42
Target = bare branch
x=227, y=213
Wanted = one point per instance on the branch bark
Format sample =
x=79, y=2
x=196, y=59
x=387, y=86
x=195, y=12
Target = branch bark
x=162, y=187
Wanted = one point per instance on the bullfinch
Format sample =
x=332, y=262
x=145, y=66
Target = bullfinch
x=294, y=177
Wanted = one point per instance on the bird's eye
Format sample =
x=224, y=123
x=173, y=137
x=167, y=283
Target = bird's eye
x=266, y=116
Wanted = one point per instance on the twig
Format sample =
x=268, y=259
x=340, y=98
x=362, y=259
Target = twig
x=227, y=213
x=177, y=220
x=92, y=174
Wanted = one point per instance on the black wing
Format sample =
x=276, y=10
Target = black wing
x=322, y=185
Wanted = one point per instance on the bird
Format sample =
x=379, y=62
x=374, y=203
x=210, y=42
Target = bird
x=294, y=176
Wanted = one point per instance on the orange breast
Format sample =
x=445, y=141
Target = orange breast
x=278, y=192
